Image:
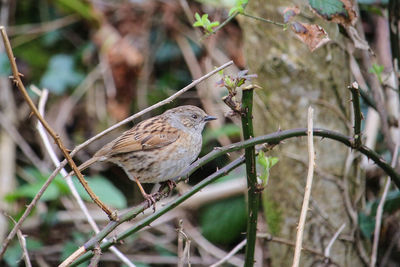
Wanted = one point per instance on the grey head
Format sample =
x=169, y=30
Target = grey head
x=188, y=118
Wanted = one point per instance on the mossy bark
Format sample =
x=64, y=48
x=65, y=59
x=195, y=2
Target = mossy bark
x=292, y=79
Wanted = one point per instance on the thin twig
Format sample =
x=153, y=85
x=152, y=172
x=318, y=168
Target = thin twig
x=379, y=211
x=327, y=250
x=202, y=243
x=54, y=135
x=264, y=20
x=230, y=254
x=394, y=28
x=307, y=190
x=357, y=113
x=20, y=141
x=25, y=254
x=180, y=244
x=72, y=188
x=96, y=257
x=283, y=241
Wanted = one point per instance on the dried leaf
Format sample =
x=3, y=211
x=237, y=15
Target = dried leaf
x=289, y=13
x=312, y=35
x=338, y=11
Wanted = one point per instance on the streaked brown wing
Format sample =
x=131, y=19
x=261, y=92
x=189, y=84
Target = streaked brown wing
x=150, y=134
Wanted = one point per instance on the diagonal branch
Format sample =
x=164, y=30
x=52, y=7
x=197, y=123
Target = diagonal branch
x=54, y=135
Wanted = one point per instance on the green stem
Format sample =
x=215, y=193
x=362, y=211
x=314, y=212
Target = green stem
x=253, y=197
x=264, y=20
x=355, y=92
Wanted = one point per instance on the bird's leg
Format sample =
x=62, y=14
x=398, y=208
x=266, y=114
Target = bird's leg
x=171, y=185
x=148, y=197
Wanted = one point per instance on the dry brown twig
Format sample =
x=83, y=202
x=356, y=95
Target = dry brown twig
x=307, y=190
x=17, y=80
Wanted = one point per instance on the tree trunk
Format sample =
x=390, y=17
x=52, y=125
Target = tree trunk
x=292, y=79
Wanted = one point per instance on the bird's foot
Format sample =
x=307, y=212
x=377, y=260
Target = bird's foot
x=150, y=200
x=171, y=185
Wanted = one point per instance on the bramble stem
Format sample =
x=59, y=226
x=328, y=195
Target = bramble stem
x=253, y=197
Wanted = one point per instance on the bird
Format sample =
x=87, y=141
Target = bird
x=157, y=149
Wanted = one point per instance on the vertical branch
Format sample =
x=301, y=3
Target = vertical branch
x=250, y=158
x=394, y=19
x=379, y=212
x=355, y=93
x=307, y=191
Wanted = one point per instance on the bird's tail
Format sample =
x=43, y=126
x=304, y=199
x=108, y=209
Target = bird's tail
x=84, y=165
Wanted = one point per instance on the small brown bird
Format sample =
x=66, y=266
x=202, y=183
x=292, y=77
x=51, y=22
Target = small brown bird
x=157, y=149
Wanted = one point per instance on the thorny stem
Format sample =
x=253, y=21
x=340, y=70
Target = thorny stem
x=355, y=92
x=253, y=196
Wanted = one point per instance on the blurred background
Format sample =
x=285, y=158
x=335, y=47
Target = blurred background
x=102, y=61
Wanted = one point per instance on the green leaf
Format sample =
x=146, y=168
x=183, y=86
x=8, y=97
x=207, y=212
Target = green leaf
x=272, y=214
x=5, y=68
x=60, y=74
x=197, y=16
x=328, y=8
x=14, y=253
x=224, y=222
x=366, y=224
x=273, y=161
x=29, y=190
x=104, y=189
x=79, y=7
x=377, y=70
x=198, y=24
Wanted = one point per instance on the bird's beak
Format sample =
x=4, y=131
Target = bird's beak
x=210, y=118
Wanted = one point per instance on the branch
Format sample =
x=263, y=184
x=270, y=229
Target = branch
x=355, y=92
x=253, y=196
x=230, y=254
x=265, y=20
x=307, y=190
x=327, y=250
x=379, y=212
x=272, y=139
x=394, y=19
x=25, y=254
x=54, y=135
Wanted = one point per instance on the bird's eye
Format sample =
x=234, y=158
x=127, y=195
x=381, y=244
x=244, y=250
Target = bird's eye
x=194, y=116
